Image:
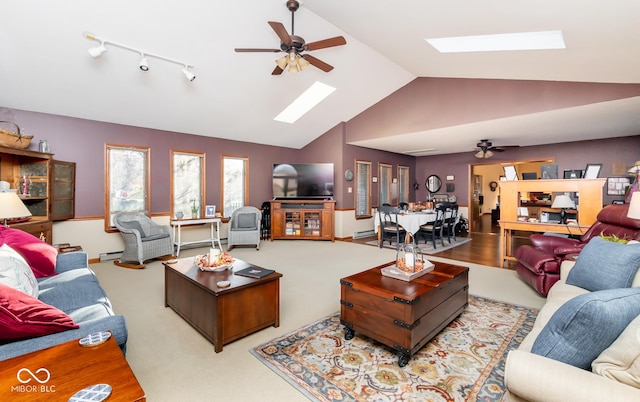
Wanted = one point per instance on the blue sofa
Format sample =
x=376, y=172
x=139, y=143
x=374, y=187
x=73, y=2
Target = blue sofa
x=76, y=291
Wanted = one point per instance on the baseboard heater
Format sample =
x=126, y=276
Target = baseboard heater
x=113, y=255
x=363, y=233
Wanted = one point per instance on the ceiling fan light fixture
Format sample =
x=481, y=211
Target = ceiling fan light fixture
x=282, y=62
x=303, y=63
x=293, y=66
x=484, y=154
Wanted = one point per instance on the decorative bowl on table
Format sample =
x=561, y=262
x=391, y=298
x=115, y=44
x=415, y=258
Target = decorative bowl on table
x=219, y=263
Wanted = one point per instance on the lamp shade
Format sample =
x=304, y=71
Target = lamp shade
x=563, y=201
x=11, y=206
x=635, y=168
x=634, y=206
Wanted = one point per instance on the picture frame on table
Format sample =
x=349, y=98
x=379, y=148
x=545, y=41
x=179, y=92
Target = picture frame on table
x=592, y=171
x=210, y=211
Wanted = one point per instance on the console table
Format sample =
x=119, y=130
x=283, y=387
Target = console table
x=177, y=225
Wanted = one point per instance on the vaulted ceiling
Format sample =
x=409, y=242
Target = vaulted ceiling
x=45, y=67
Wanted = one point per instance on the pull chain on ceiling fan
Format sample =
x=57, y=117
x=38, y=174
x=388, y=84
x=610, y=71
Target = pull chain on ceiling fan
x=295, y=45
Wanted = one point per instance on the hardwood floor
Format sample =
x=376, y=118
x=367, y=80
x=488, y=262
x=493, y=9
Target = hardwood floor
x=483, y=249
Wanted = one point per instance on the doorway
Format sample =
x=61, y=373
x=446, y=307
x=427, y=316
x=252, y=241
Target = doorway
x=484, y=192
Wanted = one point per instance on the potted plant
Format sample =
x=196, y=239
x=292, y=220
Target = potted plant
x=194, y=209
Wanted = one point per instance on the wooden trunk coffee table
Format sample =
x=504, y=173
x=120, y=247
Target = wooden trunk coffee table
x=222, y=315
x=403, y=315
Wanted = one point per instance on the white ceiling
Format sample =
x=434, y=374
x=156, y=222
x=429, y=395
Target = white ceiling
x=45, y=67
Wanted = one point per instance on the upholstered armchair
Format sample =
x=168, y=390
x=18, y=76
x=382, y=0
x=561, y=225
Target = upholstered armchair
x=538, y=264
x=244, y=227
x=143, y=239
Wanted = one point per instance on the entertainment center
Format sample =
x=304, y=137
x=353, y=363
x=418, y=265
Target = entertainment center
x=302, y=219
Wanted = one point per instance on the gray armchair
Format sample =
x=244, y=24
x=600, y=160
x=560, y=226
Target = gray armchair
x=244, y=227
x=143, y=239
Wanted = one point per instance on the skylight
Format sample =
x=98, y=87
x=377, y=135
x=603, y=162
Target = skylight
x=500, y=42
x=305, y=102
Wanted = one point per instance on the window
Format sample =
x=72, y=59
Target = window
x=235, y=184
x=385, y=183
x=403, y=184
x=187, y=183
x=127, y=184
x=363, y=189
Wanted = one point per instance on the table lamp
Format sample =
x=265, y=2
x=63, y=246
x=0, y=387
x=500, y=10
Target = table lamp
x=11, y=206
x=634, y=206
x=563, y=202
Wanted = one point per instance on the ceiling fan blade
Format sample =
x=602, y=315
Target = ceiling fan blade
x=318, y=63
x=503, y=148
x=277, y=71
x=241, y=50
x=281, y=31
x=321, y=44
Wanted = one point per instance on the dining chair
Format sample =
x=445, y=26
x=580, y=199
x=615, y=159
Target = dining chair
x=389, y=228
x=450, y=221
x=434, y=229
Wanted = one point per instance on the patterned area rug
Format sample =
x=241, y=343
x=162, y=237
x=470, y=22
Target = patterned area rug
x=427, y=248
x=465, y=362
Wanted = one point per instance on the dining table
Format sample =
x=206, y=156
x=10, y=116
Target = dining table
x=410, y=221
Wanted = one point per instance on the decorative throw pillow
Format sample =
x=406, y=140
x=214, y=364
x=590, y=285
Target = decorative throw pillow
x=605, y=265
x=246, y=221
x=586, y=325
x=40, y=255
x=621, y=360
x=23, y=316
x=15, y=272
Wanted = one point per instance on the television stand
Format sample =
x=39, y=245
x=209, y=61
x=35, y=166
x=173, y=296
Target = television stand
x=303, y=219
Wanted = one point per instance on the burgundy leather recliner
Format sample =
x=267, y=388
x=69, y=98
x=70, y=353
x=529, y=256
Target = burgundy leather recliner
x=538, y=264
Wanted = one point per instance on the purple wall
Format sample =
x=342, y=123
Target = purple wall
x=570, y=155
x=82, y=141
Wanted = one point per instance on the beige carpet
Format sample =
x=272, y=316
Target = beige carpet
x=173, y=362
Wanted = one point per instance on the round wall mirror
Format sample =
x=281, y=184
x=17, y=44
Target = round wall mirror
x=433, y=183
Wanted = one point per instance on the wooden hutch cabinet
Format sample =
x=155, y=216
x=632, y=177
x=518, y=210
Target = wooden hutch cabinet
x=302, y=219
x=50, y=190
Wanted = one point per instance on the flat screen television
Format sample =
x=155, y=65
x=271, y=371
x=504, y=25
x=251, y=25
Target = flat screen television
x=303, y=180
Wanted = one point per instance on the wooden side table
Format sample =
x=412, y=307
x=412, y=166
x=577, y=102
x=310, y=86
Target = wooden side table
x=56, y=373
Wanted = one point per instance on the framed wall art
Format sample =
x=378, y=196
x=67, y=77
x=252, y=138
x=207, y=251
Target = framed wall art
x=617, y=185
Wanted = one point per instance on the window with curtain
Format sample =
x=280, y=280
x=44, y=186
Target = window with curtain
x=384, y=183
x=363, y=189
x=187, y=184
x=403, y=184
x=127, y=184
x=235, y=184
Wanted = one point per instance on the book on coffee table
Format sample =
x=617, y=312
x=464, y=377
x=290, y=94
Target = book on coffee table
x=254, y=272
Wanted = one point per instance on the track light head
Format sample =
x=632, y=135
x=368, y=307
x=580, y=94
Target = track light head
x=190, y=76
x=98, y=50
x=144, y=65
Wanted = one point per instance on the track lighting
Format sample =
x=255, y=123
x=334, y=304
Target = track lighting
x=98, y=50
x=190, y=76
x=143, y=64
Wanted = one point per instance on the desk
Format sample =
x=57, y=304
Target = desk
x=177, y=225
x=411, y=222
x=507, y=228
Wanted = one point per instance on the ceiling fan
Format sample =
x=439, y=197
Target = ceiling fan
x=486, y=149
x=294, y=46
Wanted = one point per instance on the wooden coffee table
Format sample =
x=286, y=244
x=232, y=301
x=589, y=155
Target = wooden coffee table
x=57, y=373
x=222, y=315
x=403, y=315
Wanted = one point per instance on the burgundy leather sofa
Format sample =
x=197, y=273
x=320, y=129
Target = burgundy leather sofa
x=538, y=264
